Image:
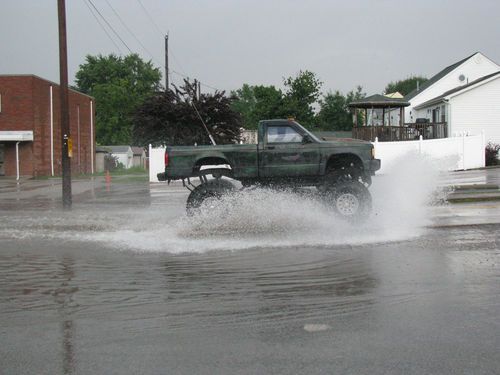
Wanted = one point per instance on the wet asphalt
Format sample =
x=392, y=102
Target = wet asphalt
x=111, y=288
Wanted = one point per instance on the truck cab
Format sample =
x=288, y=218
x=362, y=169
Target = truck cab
x=286, y=149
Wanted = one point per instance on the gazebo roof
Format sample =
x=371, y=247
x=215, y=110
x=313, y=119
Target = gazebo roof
x=379, y=101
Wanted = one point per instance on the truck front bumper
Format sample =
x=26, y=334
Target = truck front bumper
x=372, y=165
x=375, y=164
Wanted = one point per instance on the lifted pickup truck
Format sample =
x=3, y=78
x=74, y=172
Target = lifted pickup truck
x=286, y=154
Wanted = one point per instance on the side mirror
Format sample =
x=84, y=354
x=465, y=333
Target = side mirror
x=306, y=139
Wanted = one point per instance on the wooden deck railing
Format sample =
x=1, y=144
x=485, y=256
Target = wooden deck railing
x=409, y=132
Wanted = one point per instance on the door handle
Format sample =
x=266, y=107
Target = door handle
x=270, y=147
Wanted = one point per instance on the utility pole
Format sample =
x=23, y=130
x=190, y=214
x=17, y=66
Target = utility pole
x=66, y=145
x=166, y=63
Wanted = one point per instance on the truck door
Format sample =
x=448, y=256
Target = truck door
x=283, y=153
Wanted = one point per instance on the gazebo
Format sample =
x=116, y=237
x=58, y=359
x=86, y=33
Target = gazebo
x=377, y=118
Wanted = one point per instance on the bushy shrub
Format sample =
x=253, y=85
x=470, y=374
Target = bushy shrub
x=492, y=154
x=110, y=162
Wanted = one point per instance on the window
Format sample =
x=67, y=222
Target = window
x=283, y=134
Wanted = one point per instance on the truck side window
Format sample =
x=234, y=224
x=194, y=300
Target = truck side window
x=283, y=134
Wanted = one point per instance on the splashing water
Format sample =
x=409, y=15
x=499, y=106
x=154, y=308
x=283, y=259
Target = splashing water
x=263, y=218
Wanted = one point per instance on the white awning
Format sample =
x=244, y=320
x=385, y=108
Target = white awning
x=19, y=136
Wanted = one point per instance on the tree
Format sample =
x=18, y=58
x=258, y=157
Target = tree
x=119, y=85
x=334, y=113
x=404, y=86
x=171, y=118
x=302, y=93
x=256, y=103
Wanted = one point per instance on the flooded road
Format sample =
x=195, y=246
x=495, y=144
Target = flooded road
x=126, y=284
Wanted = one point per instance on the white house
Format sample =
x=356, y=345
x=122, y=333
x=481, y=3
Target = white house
x=468, y=109
x=459, y=74
x=123, y=154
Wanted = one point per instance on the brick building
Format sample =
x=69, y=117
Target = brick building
x=30, y=129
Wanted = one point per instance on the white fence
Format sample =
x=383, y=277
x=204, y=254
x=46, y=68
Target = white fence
x=467, y=152
x=156, y=162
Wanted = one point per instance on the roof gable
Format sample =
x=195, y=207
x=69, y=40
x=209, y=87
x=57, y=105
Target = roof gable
x=437, y=77
x=456, y=90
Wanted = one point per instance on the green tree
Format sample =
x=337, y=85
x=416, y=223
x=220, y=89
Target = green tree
x=404, y=86
x=256, y=103
x=302, y=92
x=172, y=118
x=334, y=113
x=243, y=102
x=119, y=86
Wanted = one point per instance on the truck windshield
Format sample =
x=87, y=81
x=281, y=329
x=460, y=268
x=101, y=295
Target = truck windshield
x=316, y=139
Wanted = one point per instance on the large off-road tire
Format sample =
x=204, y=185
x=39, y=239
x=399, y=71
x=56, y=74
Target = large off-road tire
x=350, y=200
x=212, y=189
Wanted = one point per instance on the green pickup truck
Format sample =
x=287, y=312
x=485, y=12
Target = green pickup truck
x=287, y=155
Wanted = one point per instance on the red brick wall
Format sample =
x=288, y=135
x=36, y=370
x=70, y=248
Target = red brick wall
x=25, y=159
x=17, y=114
x=26, y=106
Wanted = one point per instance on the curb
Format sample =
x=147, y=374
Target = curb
x=473, y=199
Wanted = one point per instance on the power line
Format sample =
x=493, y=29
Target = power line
x=150, y=18
x=111, y=27
x=130, y=31
x=102, y=26
x=184, y=74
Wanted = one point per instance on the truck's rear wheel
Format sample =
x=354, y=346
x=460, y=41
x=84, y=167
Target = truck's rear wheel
x=211, y=190
x=350, y=200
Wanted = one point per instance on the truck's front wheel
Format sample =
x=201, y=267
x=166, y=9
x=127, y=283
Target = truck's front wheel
x=351, y=200
x=210, y=191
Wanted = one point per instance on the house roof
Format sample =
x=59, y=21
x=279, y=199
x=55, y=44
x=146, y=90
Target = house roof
x=137, y=150
x=117, y=149
x=440, y=98
x=44, y=79
x=378, y=101
x=396, y=94
x=437, y=77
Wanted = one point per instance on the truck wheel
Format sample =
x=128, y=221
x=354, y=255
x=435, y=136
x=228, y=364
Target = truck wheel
x=345, y=173
x=351, y=200
x=212, y=189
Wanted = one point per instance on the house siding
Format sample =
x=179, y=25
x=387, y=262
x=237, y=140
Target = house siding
x=125, y=158
x=476, y=67
x=477, y=109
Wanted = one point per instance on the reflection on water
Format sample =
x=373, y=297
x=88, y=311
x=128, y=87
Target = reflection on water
x=64, y=299
x=250, y=286
x=88, y=303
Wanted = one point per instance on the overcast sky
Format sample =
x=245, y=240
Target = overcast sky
x=225, y=43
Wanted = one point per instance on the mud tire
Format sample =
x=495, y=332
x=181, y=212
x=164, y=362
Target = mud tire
x=350, y=201
x=211, y=189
